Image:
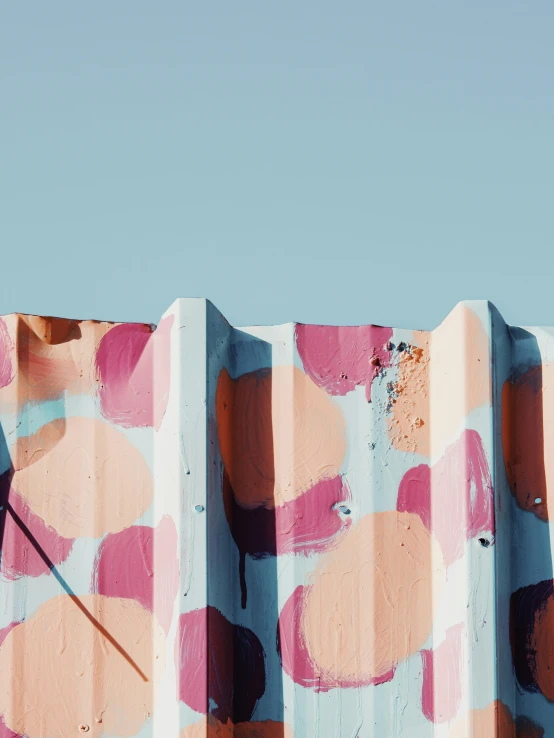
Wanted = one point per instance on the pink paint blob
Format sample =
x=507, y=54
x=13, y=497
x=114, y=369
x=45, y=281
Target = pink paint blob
x=20, y=557
x=311, y=523
x=454, y=498
x=6, y=345
x=339, y=358
x=307, y=524
x=441, y=692
x=295, y=658
x=126, y=562
x=221, y=666
x=133, y=365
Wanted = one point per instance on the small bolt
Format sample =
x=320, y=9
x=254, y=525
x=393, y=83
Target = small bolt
x=84, y=728
x=538, y=500
x=199, y=508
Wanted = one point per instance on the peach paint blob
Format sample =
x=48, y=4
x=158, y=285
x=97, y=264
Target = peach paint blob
x=296, y=660
x=370, y=601
x=64, y=672
x=82, y=477
x=279, y=435
x=455, y=355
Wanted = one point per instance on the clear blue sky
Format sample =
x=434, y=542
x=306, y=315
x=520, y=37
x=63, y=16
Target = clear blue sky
x=331, y=162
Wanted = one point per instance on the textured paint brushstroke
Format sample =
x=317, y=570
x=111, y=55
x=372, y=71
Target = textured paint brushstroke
x=384, y=570
x=309, y=524
x=19, y=557
x=441, y=691
x=53, y=356
x=210, y=727
x=126, y=562
x=82, y=477
x=528, y=436
x=339, y=359
x=133, y=364
x=454, y=498
x=279, y=435
x=221, y=666
x=495, y=721
x=6, y=348
x=457, y=357
x=66, y=673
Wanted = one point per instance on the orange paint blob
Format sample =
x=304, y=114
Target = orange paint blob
x=370, y=603
x=279, y=435
x=446, y=373
x=64, y=672
x=210, y=727
x=409, y=423
x=82, y=477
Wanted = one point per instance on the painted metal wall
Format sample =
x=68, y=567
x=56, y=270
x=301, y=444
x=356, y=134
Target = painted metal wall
x=276, y=531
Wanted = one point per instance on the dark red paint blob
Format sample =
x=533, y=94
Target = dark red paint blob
x=525, y=605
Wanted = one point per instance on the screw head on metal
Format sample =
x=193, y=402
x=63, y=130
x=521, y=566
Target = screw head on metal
x=84, y=728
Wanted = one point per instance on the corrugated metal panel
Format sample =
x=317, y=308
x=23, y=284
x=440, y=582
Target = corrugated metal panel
x=275, y=531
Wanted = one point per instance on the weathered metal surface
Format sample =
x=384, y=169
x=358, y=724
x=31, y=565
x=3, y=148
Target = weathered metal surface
x=275, y=531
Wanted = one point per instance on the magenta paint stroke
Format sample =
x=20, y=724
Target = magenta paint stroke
x=20, y=557
x=295, y=658
x=441, y=692
x=126, y=562
x=133, y=366
x=6, y=346
x=339, y=358
x=454, y=498
x=309, y=524
x=221, y=666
